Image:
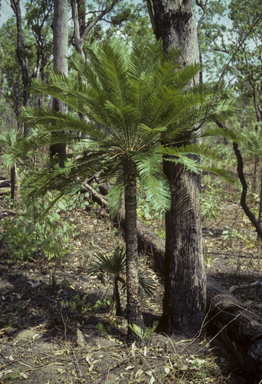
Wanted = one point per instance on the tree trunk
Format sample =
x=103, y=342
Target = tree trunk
x=238, y=328
x=22, y=54
x=134, y=312
x=255, y=174
x=12, y=182
x=184, y=304
x=60, y=28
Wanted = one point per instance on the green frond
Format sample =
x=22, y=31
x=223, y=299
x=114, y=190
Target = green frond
x=147, y=284
x=111, y=265
x=149, y=167
x=223, y=173
x=116, y=194
x=134, y=98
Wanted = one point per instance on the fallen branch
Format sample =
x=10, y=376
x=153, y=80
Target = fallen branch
x=244, y=286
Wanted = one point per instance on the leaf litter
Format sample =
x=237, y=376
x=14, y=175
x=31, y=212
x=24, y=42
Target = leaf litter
x=40, y=341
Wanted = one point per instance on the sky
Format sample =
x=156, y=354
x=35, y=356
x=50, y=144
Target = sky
x=6, y=11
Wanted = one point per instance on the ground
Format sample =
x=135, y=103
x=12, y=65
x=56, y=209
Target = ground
x=44, y=341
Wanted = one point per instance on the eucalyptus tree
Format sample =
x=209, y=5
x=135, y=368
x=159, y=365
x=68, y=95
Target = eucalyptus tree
x=137, y=108
x=184, y=304
x=60, y=50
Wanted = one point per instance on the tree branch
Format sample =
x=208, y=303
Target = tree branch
x=240, y=171
x=97, y=19
x=151, y=15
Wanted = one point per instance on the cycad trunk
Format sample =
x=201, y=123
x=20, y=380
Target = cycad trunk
x=184, y=304
x=134, y=312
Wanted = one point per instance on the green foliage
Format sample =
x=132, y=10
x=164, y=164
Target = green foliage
x=7, y=139
x=110, y=265
x=147, y=284
x=135, y=101
x=101, y=328
x=23, y=235
x=81, y=307
x=144, y=335
x=210, y=202
x=115, y=265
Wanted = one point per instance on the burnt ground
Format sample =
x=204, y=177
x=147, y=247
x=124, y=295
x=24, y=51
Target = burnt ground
x=44, y=341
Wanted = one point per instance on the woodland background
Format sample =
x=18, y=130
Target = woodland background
x=59, y=292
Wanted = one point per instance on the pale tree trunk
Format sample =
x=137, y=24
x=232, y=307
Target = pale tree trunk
x=80, y=29
x=22, y=53
x=203, y=6
x=134, y=311
x=60, y=30
x=184, y=304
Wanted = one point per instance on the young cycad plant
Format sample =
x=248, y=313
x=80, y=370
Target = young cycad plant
x=115, y=265
x=137, y=109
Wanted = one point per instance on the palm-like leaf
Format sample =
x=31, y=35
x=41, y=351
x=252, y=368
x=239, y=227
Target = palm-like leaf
x=147, y=284
x=111, y=265
x=137, y=110
x=133, y=98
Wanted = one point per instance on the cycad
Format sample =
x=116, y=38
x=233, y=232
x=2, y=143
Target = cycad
x=115, y=265
x=138, y=109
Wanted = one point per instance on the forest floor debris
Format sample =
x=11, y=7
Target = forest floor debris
x=44, y=341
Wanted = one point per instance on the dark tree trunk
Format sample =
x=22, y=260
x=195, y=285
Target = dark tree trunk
x=117, y=296
x=236, y=326
x=134, y=312
x=255, y=174
x=60, y=28
x=184, y=304
x=22, y=54
x=12, y=182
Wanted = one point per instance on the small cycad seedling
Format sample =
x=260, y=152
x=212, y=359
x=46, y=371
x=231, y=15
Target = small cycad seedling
x=144, y=335
x=115, y=265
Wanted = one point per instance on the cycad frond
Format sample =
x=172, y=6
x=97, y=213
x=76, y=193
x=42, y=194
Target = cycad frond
x=134, y=98
x=147, y=284
x=111, y=265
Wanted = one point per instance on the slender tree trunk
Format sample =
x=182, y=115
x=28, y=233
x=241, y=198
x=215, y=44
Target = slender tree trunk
x=12, y=177
x=255, y=174
x=22, y=53
x=134, y=311
x=117, y=296
x=60, y=28
x=184, y=304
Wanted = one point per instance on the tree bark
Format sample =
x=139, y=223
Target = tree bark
x=134, y=312
x=22, y=55
x=80, y=29
x=237, y=327
x=60, y=28
x=12, y=182
x=184, y=304
x=232, y=323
